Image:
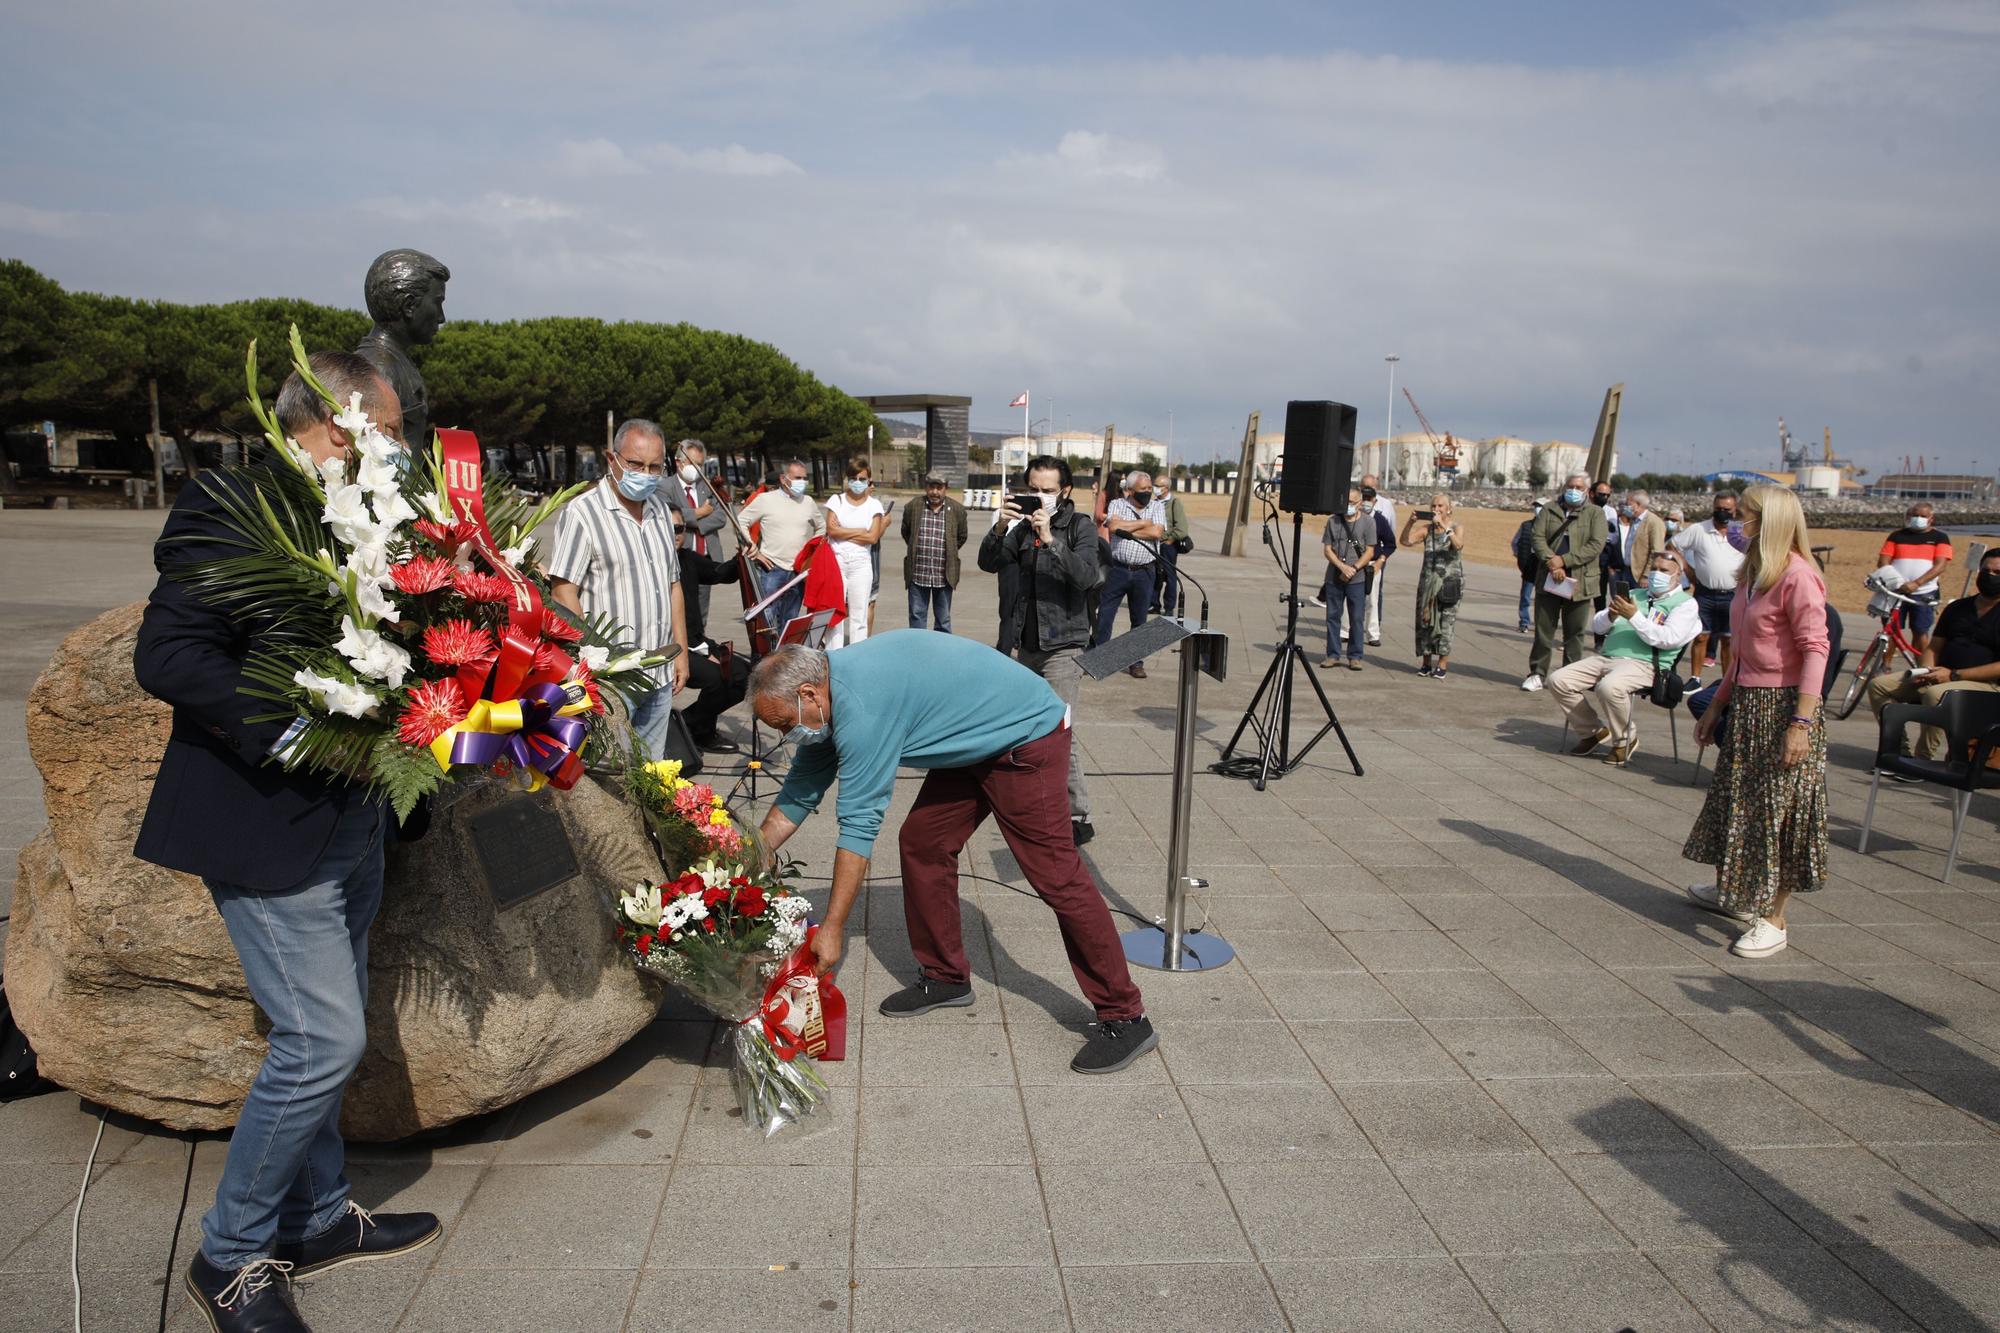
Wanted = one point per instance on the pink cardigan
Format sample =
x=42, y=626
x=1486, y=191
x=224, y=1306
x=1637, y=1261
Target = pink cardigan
x=1779, y=637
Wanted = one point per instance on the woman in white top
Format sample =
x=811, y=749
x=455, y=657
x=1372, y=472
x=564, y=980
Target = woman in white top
x=855, y=521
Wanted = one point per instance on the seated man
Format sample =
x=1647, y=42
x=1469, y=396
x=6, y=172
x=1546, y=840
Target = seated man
x=1963, y=654
x=1646, y=627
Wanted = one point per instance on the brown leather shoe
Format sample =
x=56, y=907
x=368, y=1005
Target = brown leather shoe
x=1136, y=671
x=1592, y=741
x=1622, y=754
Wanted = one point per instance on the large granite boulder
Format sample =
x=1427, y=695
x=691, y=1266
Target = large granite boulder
x=123, y=978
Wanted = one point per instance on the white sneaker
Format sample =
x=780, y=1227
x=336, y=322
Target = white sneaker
x=1317, y=601
x=1532, y=683
x=1760, y=941
x=1706, y=897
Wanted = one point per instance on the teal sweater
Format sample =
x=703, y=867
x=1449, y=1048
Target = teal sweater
x=917, y=698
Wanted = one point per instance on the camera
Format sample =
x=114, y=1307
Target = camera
x=1425, y=514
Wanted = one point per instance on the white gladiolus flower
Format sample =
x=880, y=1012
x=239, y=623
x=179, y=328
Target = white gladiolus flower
x=434, y=507
x=337, y=696
x=352, y=419
x=370, y=654
x=514, y=555
x=392, y=510
x=374, y=603
x=713, y=876
x=593, y=657
x=346, y=513
x=379, y=478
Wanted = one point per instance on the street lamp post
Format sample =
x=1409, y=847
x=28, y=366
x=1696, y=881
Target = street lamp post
x=1389, y=426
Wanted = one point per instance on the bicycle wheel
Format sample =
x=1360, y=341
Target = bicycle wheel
x=1864, y=670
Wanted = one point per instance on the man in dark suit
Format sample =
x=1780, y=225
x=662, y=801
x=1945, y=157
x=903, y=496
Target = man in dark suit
x=716, y=669
x=294, y=864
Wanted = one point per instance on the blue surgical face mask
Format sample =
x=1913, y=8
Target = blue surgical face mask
x=1660, y=582
x=1353, y=510
x=801, y=734
x=637, y=486
x=857, y=486
x=797, y=485
x=1573, y=497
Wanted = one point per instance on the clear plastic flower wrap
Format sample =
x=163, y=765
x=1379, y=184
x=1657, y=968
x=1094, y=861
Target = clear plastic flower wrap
x=735, y=943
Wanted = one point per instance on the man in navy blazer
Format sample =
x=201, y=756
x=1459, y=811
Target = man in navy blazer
x=294, y=864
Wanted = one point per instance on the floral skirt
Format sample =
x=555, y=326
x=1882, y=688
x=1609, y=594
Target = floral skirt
x=1763, y=826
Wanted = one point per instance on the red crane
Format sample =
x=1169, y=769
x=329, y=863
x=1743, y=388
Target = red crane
x=1445, y=459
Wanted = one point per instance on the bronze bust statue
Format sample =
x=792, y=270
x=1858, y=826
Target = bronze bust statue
x=405, y=295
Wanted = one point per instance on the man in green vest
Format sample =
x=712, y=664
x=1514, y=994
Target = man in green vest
x=1566, y=540
x=1643, y=629
x=1167, y=578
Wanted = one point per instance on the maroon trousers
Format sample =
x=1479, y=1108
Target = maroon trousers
x=1027, y=790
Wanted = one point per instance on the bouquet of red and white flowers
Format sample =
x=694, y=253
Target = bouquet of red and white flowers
x=735, y=941
x=400, y=611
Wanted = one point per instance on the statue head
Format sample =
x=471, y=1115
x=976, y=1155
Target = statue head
x=405, y=294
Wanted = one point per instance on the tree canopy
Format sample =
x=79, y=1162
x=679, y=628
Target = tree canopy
x=83, y=360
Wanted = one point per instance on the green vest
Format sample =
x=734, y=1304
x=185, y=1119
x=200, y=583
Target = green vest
x=1624, y=641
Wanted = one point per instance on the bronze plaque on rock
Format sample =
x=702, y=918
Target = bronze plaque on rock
x=523, y=849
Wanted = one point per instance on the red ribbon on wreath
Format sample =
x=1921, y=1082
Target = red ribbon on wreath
x=803, y=1012
x=556, y=749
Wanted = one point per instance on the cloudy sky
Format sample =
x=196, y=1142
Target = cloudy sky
x=1740, y=208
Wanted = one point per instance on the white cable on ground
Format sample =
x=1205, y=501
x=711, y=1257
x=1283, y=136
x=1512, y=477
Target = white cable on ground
x=76, y=1223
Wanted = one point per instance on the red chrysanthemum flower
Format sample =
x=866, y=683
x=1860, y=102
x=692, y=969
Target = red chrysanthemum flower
x=477, y=587
x=645, y=944
x=421, y=574
x=555, y=627
x=457, y=643
x=444, y=535
x=434, y=707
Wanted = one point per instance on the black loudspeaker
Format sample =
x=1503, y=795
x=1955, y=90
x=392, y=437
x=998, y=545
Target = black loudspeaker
x=1319, y=458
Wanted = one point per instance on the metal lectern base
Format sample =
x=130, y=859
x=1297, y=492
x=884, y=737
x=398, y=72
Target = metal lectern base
x=1147, y=947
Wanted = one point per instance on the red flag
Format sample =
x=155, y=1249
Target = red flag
x=1022, y=401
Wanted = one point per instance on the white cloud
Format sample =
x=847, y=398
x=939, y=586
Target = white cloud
x=1087, y=155
x=735, y=160
x=595, y=157
x=44, y=222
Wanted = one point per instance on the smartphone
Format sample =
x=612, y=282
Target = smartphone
x=1425, y=514
x=1027, y=501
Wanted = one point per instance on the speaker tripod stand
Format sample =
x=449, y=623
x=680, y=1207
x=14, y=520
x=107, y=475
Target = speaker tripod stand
x=1270, y=710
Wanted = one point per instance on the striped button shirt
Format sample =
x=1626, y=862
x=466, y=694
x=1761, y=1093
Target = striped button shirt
x=1130, y=550
x=622, y=569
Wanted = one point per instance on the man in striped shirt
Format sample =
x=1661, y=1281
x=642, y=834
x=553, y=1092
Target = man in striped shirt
x=614, y=556
x=1136, y=522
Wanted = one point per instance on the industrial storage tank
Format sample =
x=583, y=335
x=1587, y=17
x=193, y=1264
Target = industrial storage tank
x=1820, y=480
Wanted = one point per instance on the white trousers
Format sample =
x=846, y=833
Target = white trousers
x=857, y=579
x=1375, y=602
x=1601, y=687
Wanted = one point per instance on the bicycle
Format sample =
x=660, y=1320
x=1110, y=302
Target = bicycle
x=1886, y=606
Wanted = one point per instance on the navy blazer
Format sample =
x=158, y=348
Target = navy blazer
x=217, y=809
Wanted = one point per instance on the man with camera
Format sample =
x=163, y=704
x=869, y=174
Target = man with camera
x=1644, y=631
x=1053, y=547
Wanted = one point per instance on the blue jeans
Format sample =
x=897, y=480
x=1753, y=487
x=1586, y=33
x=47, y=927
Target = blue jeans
x=304, y=953
x=1351, y=598
x=1131, y=584
x=652, y=714
x=786, y=608
x=925, y=601
x=1527, y=610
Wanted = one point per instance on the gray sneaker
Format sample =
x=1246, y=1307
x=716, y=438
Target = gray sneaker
x=925, y=996
x=1114, y=1044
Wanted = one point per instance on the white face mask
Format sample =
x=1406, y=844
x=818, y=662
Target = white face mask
x=1918, y=522
x=690, y=474
x=797, y=486
x=1660, y=582
x=1353, y=510
x=857, y=486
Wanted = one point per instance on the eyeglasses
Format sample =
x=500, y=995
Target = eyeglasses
x=644, y=469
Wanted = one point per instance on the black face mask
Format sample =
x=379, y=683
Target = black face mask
x=1989, y=583
x=1724, y=517
x=1601, y=500
x=1142, y=498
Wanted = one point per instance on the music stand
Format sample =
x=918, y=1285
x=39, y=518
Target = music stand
x=1165, y=946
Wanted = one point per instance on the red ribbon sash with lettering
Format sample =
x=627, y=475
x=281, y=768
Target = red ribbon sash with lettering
x=546, y=742
x=803, y=1013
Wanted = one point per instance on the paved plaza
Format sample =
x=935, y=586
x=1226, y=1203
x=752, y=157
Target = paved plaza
x=1478, y=1066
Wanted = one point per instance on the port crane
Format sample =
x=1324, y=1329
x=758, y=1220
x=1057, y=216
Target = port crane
x=1444, y=452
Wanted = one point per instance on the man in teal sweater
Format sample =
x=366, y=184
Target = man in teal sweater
x=1650, y=624
x=994, y=738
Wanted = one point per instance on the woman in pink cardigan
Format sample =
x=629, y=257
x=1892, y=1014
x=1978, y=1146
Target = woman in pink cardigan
x=1763, y=826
